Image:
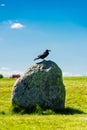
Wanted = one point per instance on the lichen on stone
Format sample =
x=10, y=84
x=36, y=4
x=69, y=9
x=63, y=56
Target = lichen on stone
x=41, y=85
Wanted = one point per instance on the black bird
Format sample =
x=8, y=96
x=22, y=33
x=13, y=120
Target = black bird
x=43, y=55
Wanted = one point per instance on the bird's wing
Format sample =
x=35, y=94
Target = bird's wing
x=40, y=55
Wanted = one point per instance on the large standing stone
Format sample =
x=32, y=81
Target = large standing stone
x=40, y=85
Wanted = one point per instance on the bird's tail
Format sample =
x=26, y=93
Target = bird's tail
x=36, y=58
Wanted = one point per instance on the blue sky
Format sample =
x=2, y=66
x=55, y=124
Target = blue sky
x=28, y=27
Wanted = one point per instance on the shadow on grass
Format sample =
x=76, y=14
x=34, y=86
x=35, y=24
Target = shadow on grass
x=38, y=110
x=69, y=111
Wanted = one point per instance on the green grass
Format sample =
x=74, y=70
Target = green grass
x=74, y=117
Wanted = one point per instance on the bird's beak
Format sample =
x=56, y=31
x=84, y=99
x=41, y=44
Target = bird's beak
x=49, y=50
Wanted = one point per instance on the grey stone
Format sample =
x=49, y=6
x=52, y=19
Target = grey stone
x=41, y=85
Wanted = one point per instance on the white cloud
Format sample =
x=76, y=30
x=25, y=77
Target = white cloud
x=70, y=74
x=5, y=68
x=9, y=72
x=16, y=26
x=12, y=24
x=2, y=4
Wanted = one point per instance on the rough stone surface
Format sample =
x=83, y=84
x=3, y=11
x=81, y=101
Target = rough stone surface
x=40, y=85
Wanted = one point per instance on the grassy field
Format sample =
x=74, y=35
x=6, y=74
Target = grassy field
x=74, y=117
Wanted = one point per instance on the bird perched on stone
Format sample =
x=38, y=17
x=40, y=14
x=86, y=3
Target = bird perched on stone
x=43, y=55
